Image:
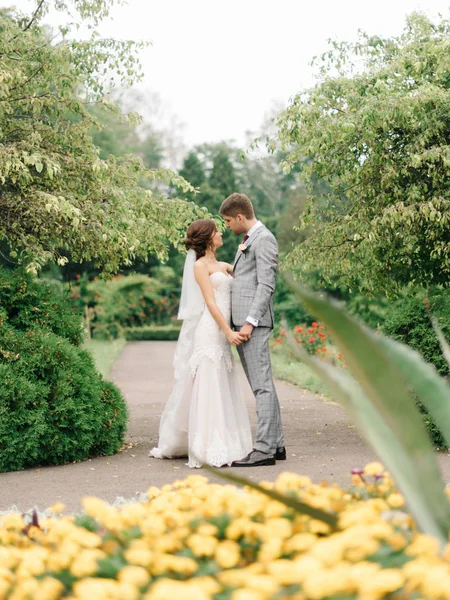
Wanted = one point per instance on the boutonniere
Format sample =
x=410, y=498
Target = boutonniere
x=242, y=248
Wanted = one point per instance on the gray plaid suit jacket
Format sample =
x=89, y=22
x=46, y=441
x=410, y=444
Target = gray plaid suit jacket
x=255, y=275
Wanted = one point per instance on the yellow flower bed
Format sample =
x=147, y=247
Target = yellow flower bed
x=193, y=540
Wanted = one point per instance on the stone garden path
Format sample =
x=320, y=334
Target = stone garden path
x=320, y=441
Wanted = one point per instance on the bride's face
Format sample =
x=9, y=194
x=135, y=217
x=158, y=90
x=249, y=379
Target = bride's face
x=217, y=239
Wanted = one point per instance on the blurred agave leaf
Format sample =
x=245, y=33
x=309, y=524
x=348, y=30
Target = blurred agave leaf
x=445, y=347
x=383, y=408
x=423, y=379
x=301, y=507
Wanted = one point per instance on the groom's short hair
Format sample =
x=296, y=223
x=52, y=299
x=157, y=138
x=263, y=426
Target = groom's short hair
x=237, y=204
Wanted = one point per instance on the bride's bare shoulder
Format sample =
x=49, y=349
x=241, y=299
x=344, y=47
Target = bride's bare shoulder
x=200, y=265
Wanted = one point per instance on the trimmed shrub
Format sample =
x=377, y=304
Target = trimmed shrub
x=153, y=332
x=114, y=418
x=409, y=323
x=33, y=303
x=54, y=406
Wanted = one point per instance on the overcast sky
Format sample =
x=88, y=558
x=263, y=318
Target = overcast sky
x=221, y=66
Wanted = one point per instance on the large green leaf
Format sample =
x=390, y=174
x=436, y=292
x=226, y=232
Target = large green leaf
x=422, y=378
x=384, y=409
x=445, y=347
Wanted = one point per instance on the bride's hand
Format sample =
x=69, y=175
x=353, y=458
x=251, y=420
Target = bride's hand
x=235, y=338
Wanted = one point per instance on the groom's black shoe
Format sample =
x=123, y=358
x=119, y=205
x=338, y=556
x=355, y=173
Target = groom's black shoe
x=280, y=454
x=256, y=458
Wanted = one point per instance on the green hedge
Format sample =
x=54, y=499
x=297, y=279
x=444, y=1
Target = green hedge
x=130, y=301
x=55, y=407
x=154, y=332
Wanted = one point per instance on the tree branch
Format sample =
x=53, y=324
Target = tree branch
x=13, y=262
x=29, y=78
x=33, y=18
x=46, y=95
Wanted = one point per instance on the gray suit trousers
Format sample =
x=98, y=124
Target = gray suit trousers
x=255, y=359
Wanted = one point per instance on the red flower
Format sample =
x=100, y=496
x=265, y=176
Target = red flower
x=315, y=325
x=311, y=339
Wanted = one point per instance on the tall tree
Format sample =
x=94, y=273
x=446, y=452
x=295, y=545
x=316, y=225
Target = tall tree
x=223, y=173
x=193, y=171
x=212, y=170
x=376, y=129
x=58, y=198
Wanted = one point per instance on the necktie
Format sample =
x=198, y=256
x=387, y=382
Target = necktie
x=245, y=239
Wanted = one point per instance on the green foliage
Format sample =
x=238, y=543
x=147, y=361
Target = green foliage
x=288, y=231
x=60, y=200
x=410, y=324
x=54, y=406
x=212, y=169
x=118, y=136
x=372, y=309
x=287, y=307
x=30, y=303
x=152, y=332
x=193, y=171
x=114, y=416
x=131, y=301
x=375, y=130
x=217, y=170
x=379, y=396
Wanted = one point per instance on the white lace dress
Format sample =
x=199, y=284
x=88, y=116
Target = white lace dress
x=206, y=417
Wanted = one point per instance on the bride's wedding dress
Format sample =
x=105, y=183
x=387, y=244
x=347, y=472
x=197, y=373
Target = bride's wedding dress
x=205, y=418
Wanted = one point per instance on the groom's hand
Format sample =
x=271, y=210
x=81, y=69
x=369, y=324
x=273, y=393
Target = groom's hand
x=246, y=331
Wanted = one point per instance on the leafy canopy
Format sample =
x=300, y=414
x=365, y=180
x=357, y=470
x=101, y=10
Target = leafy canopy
x=376, y=130
x=59, y=199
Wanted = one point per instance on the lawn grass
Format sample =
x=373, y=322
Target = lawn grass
x=286, y=367
x=105, y=353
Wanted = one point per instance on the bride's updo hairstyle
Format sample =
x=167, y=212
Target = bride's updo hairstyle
x=199, y=236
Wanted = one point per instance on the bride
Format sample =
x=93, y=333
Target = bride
x=205, y=417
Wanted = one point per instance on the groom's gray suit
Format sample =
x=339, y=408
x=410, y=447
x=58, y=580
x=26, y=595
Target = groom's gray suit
x=255, y=274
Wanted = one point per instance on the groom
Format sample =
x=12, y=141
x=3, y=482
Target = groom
x=255, y=273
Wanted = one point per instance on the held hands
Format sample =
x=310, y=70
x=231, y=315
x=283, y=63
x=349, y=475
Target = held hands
x=238, y=337
x=246, y=331
x=235, y=338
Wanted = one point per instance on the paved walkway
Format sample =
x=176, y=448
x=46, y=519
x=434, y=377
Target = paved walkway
x=320, y=440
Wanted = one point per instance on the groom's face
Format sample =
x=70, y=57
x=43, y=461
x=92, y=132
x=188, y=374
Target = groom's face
x=236, y=224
